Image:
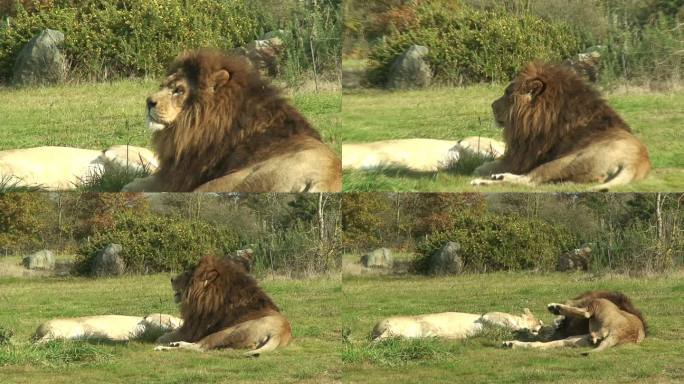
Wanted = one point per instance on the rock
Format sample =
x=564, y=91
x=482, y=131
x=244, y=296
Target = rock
x=244, y=257
x=44, y=259
x=446, y=260
x=280, y=33
x=575, y=260
x=410, y=70
x=379, y=258
x=264, y=54
x=586, y=64
x=109, y=262
x=41, y=60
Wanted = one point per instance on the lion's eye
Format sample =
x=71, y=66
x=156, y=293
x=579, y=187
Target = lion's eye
x=178, y=91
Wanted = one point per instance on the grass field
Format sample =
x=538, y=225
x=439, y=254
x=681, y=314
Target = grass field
x=96, y=116
x=454, y=113
x=659, y=359
x=311, y=305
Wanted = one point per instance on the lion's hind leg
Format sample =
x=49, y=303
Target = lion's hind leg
x=573, y=341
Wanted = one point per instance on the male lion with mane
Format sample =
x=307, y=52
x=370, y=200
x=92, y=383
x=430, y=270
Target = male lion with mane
x=219, y=127
x=223, y=307
x=558, y=129
x=599, y=318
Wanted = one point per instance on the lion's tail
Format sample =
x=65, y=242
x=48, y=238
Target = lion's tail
x=271, y=344
x=624, y=176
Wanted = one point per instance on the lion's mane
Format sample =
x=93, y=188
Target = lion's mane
x=222, y=129
x=568, y=111
x=220, y=294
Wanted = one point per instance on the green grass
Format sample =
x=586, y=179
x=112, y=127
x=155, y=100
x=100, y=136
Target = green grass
x=454, y=113
x=659, y=359
x=97, y=116
x=311, y=305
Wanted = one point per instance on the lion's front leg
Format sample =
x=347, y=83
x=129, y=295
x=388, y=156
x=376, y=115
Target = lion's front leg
x=490, y=167
x=504, y=178
x=180, y=345
x=144, y=184
x=169, y=337
x=566, y=310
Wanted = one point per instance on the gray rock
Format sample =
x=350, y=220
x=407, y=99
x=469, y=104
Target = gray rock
x=280, y=33
x=44, y=259
x=264, y=54
x=446, y=260
x=586, y=64
x=41, y=60
x=109, y=261
x=410, y=70
x=379, y=258
x=574, y=260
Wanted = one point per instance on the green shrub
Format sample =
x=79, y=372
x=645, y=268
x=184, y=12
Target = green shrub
x=157, y=244
x=469, y=45
x=105, y=39
x=491, y=242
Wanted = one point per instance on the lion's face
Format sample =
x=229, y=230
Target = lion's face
x=180, y=285
x=533, y=324
x=164, y=106
x=519, y=94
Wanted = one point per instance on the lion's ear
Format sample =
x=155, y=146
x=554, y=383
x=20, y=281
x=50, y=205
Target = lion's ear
x=220, y=78
x=534, y=88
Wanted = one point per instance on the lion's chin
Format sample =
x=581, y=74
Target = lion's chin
x=177, y=297
x=154, y=126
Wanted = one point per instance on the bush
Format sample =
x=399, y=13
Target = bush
x=491, y=242
x=157, y=244
x=469, y=45
x=105, y=39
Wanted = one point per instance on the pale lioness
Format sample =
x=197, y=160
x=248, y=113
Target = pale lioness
x=64, y=168
x=451, y=325
x=608, y=326
x=420, y=155
x=115, y=328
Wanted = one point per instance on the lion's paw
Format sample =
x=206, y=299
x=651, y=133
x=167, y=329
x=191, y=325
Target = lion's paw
x=479, y=182
x=554, y=308
x=511, y=344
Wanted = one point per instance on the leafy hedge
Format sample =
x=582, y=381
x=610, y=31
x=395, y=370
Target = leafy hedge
x=106, y=39
x=491, y=242
x=468, y=45
x=156, y=244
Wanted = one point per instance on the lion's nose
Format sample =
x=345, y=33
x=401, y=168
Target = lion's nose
x=151, y=103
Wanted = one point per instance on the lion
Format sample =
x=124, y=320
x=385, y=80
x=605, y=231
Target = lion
x=599, y=318
x=114, y=328
x=558, y=129
x=420, y=155
x=219, y=127
x=451, y=325
x=223, y=307
x=65, y=168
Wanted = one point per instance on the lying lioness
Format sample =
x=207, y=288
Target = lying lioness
x=421, y=155
x=64, y=168
x=608, y=326
x=451, y=325
x=107, y=328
